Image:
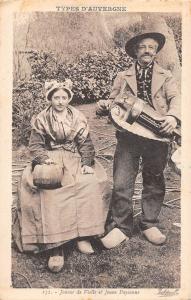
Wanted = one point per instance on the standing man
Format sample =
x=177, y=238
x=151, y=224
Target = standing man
x=148, y=81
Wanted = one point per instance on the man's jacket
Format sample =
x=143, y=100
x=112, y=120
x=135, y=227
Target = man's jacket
x=165, y=95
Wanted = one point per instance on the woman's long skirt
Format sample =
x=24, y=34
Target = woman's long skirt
x=49, y=218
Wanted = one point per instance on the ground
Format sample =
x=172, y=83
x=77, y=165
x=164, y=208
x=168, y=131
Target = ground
x=134, y=264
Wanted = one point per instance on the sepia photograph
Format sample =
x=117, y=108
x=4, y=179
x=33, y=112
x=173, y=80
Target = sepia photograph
x=96, y=135
x=96, y=150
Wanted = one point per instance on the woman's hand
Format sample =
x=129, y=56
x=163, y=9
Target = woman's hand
x=87, y=170
x=48, y=161
x=168, y=125
x=29, y=180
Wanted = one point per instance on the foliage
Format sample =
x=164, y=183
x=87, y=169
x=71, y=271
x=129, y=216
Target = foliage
x=92, y=74
x=28, y=99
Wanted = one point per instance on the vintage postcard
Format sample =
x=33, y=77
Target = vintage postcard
x=95, y=149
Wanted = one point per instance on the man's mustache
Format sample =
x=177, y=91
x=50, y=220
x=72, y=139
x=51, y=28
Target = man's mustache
x=147, y=54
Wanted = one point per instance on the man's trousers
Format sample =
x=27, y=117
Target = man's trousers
x=130, y=148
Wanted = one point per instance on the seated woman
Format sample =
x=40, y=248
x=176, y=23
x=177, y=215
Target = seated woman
x=48, y=218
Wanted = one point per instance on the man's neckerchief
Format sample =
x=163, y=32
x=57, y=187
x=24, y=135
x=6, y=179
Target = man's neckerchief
x=144, y=78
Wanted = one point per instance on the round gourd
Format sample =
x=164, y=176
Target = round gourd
x=47, y=176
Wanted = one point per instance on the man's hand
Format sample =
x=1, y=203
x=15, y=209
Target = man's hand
x=104, y=104
x=168, y=125
x=87, y=170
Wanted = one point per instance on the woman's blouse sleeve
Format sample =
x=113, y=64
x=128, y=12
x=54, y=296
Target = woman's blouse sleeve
x=84, y=142
x=37, y=144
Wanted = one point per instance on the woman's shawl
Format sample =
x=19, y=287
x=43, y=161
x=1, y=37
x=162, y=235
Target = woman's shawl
x=70, y=133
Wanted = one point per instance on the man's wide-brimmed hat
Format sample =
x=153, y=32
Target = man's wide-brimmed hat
x=130, y=45
x=52, y=85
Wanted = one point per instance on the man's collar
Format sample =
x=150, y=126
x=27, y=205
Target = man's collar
x=156, y=68
x=149, y=65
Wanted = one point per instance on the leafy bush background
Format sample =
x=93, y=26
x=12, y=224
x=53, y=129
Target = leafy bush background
x=92, y=75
